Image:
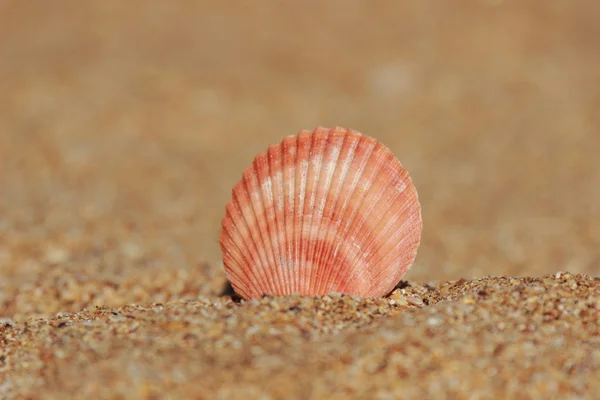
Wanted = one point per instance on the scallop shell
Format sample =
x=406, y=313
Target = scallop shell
x=330, y=210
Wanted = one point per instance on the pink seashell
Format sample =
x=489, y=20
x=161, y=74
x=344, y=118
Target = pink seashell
x=325, y=211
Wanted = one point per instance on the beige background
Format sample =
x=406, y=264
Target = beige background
x=124, y=126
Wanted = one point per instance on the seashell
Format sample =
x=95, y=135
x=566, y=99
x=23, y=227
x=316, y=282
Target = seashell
x=330, y=210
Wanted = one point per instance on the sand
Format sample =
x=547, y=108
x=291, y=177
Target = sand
x=124, y=126
x=487, y=338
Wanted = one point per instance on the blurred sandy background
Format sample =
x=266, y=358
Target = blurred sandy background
x=124, y=125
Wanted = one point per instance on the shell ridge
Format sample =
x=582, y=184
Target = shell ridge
x=357, y=168
x=375, y=260
x=302, y=158
x=251, y=187
x=383, y=224
x=275, y=159
x=232, y=266
x=337, y=218
x=384, y=200
x=267, y=204
x=409, y=241
x=322, y=137
x=233, y=257
x=406, y=237
x=243, y=230
x=328, y=174
x=289, y=174
x=236, y=278
x=236, y=233
x=335, y=181
x=341, y=249
x=397, y=275
x=247, y=215
x=263, y=210
x=240, y=231
x=358, y=217
x=312, y=177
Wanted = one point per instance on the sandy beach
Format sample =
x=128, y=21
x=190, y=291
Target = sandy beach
x=124, y=126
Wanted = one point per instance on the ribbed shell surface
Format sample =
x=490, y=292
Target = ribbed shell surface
x=330, y=210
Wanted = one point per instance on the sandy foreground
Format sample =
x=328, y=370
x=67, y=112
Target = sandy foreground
x=487, y=338
x=124, y=126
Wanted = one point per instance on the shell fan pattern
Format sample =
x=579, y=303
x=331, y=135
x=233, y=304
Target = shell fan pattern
x=329, y=210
